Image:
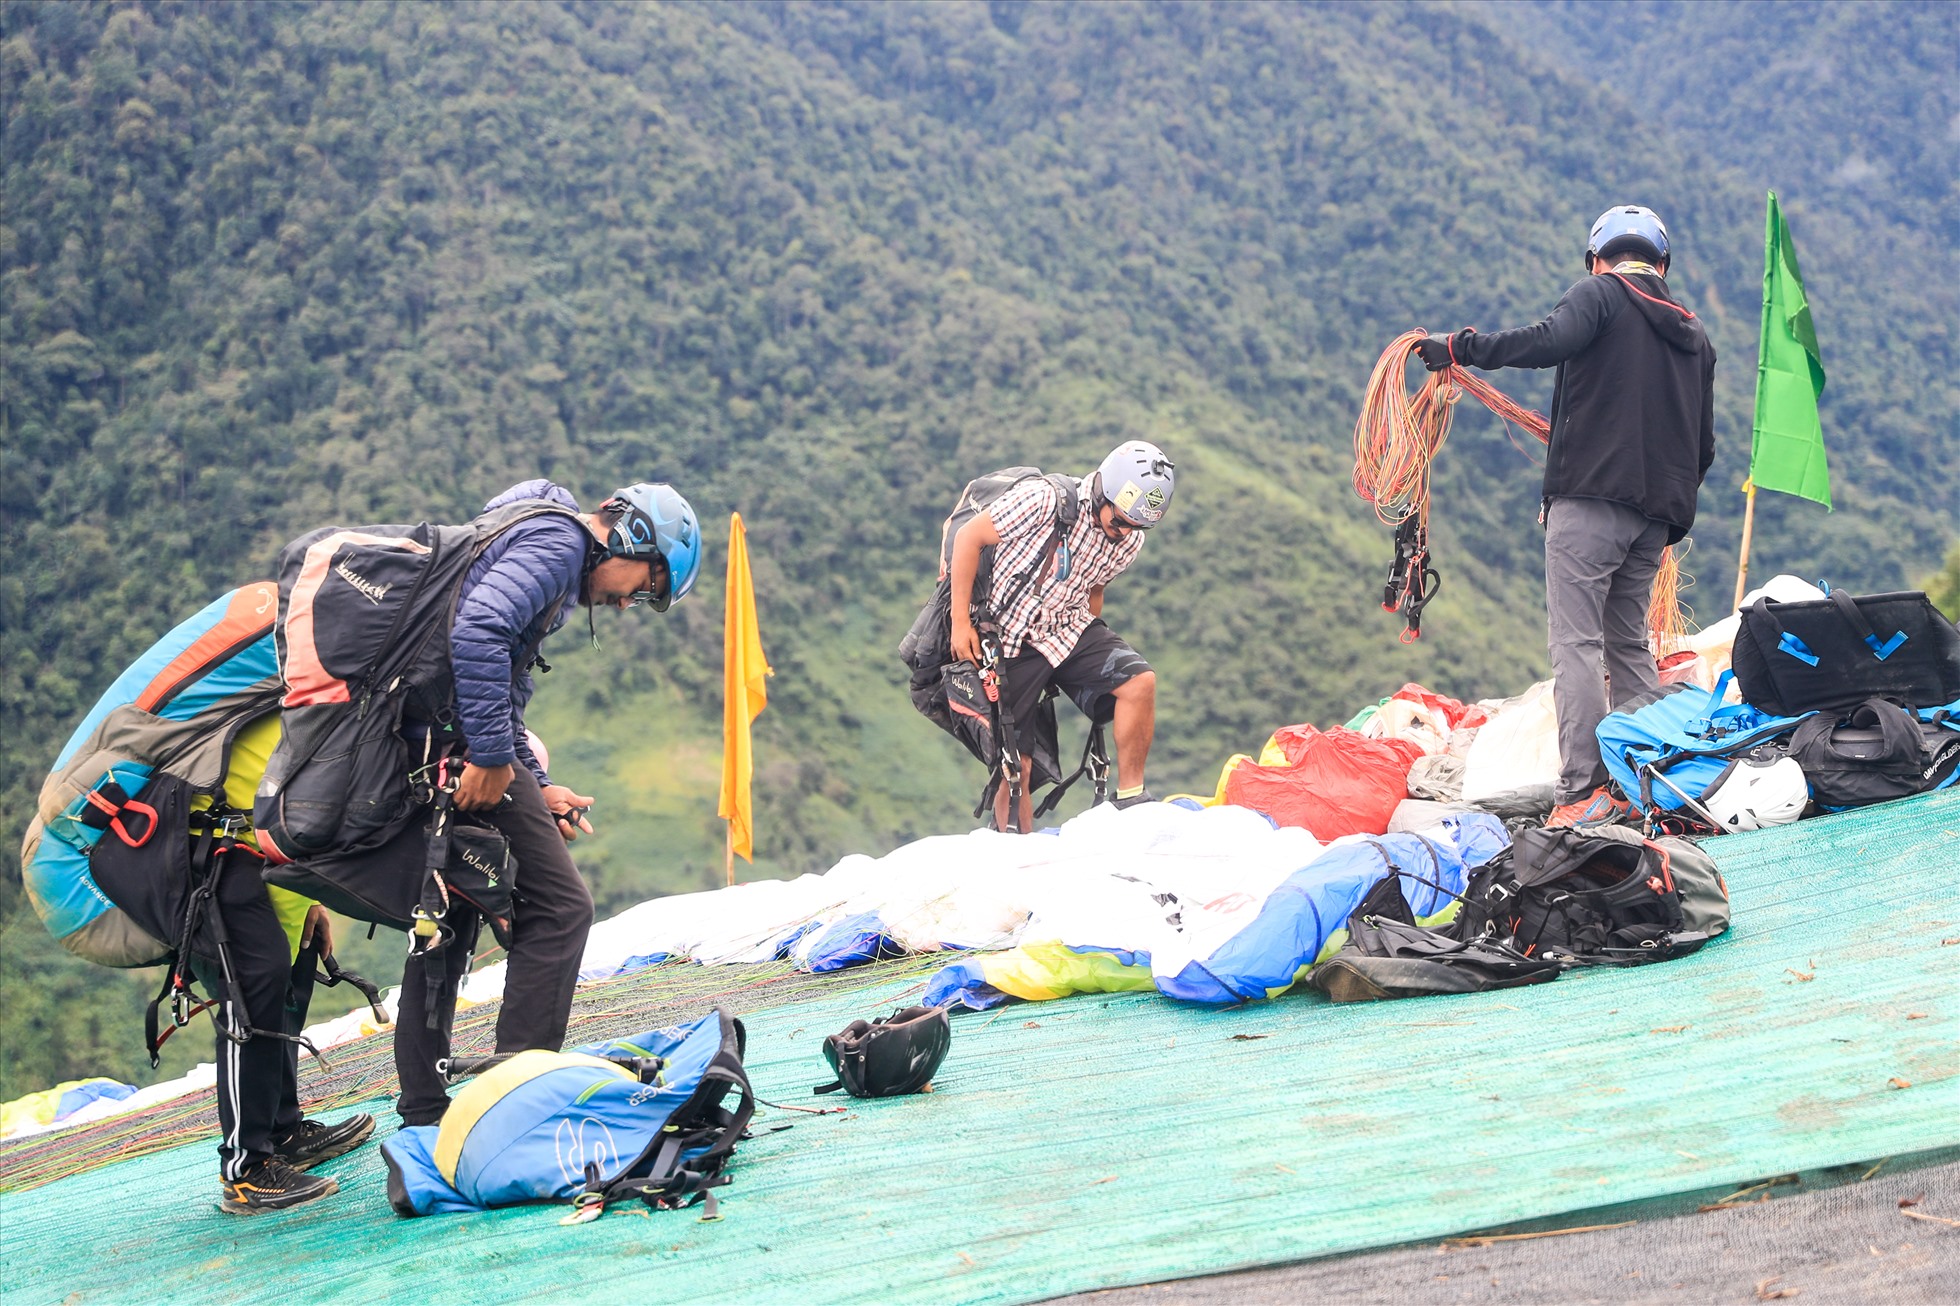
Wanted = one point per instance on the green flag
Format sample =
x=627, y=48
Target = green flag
x=1786, y=450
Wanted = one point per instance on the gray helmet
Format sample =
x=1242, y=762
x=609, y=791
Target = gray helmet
x=1137, y=481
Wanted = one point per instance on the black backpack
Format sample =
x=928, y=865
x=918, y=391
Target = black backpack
x=1877, y=752
x=364, y=615
x=1596, y=896
x=1833, y=653
x=927, y=646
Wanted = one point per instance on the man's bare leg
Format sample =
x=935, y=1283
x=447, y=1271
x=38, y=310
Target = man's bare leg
x=1027, y=801
x=1136, y=724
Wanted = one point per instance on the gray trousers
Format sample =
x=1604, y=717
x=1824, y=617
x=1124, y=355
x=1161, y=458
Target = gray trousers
x=1600, y=561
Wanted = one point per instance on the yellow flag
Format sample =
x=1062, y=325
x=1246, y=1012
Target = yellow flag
x=743, y=671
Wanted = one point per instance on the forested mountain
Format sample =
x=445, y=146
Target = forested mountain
x=267, y=266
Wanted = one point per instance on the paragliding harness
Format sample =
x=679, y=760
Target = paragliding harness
x=215, y=844
x=340, y=787
x=1389, y=955
x=1412, y=578
x=1596, y=897
x=964, y=699
x=362, y=616
x=1668, y=750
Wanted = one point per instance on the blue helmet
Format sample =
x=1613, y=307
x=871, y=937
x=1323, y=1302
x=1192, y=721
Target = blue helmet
x=652, y=518
x=1627, y=227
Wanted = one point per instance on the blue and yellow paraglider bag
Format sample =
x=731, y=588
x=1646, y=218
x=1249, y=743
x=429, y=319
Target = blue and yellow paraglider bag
x=644, y=1117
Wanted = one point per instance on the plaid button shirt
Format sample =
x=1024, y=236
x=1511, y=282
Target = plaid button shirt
x=1052, y=611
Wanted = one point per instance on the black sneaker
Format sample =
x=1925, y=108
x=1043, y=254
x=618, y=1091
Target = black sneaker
x=1133, y=800
x=272, y=1185
x=315, y=1141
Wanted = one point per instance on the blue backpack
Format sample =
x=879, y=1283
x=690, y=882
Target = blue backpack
x=637, y=1117
x=1669, y=749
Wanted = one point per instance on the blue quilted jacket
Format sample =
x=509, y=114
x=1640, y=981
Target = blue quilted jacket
x=523, y=587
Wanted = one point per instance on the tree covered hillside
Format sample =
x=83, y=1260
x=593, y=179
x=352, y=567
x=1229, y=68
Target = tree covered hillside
x=268, y=266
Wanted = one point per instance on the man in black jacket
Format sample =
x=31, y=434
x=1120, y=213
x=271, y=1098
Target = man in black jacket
x=1633, y=433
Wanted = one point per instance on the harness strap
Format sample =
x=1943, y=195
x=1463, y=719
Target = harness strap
x=212, y=838
x=1095, y=762
x=107, y=807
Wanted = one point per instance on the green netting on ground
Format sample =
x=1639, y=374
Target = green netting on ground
x=364, y=1070
x=1099, y=1141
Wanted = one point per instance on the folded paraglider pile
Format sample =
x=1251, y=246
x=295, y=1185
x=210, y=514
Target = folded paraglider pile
x=1412, y=834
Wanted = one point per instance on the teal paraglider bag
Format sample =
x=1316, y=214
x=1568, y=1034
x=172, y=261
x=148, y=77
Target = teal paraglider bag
x=645, y=1117
x=1670, y=749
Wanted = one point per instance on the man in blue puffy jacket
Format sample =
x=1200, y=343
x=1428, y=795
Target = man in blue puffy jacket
x=642, y=545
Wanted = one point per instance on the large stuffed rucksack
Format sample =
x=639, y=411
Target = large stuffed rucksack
x=1597, y=895
x=644, y=1117
x=1876, y=752
x=364, y=618
x=140, y=818
x=106, y=861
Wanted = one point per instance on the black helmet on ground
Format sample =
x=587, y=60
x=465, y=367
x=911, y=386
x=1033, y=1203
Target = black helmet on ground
x=894, y=1054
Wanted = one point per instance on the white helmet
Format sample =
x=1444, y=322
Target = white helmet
x=1755, y=793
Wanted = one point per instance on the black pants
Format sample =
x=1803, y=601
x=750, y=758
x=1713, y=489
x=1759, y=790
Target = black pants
x=258, y=1080
x=550, y=920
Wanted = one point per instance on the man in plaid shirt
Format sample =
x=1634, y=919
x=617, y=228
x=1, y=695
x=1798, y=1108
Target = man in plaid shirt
x=1046, y=604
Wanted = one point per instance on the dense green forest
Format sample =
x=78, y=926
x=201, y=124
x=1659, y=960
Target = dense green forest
x=267, y=266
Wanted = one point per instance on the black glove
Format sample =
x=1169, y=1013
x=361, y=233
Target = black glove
x=1434, y=351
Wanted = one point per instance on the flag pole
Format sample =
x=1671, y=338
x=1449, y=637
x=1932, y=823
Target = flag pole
x=728, y=832
x=1748, y=530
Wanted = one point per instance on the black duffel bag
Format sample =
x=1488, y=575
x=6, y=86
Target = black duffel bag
x=1832, y=654
x=1875, y=753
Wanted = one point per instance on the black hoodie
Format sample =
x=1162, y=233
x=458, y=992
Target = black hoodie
x=1633, y=405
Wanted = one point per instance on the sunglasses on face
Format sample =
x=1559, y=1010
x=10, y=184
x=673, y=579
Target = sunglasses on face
x=658, y=583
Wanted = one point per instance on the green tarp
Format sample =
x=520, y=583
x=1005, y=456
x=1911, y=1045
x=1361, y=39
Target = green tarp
x=1097, y=1141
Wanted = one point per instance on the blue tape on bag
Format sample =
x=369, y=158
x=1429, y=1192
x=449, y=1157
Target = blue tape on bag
x=1888, y=648
x=1797, y=649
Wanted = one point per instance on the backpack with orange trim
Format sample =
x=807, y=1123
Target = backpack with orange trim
x=1602, y=896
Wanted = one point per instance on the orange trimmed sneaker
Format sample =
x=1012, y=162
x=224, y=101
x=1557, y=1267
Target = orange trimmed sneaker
x=1599, y=807
x=272, y=1185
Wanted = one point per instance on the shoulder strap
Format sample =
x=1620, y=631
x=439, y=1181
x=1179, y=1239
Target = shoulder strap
x=1066, y=512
